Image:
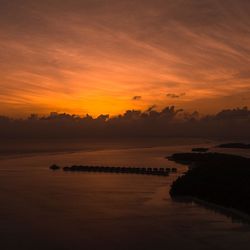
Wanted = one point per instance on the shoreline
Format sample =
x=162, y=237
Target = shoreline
x=230, y=212
x=234, y=214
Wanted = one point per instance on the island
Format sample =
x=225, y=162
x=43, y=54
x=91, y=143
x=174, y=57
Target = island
x=200, y=150
x=220, y=179
x=54, y=167
x=234, y=145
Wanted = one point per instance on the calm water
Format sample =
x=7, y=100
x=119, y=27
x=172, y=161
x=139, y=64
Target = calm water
x=41, y=209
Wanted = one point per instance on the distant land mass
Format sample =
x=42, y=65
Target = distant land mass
x=234, y=145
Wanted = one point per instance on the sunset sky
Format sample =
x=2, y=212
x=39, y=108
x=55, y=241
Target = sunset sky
x=107, y=56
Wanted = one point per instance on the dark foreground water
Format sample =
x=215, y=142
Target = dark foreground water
x=41, y=209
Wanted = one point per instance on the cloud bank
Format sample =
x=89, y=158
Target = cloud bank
x=169, y=122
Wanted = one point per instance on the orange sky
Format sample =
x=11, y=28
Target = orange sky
x=94, y=56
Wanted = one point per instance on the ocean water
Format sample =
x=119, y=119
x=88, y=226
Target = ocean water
x=42, y=209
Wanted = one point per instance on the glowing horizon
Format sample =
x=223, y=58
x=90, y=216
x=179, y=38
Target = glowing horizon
x=105, y=57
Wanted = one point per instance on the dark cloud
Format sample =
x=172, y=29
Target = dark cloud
x=170, y=95
x=136, y=98
x=151, y=108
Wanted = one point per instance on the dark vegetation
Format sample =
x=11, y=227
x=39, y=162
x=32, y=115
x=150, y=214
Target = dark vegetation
x=200, y=150
x=218, y=178
x=124, y=170
x=213, y=158
x=54, y=167
x=233, y=123
x=235, y=145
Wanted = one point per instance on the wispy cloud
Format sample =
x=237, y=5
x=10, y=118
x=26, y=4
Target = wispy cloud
x=91, y=55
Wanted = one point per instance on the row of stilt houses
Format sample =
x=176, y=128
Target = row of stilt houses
x=124, y=170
